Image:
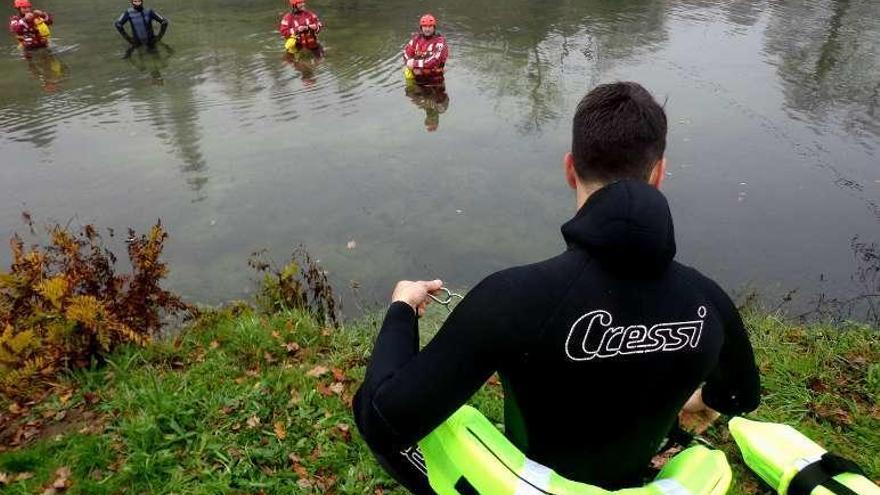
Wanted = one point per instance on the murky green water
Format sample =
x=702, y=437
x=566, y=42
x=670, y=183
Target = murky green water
x=775, y=131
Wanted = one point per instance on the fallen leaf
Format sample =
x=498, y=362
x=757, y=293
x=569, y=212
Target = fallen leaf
x=816, y=385
x=280, y=430
x=337, y=388
x=297, y=467
x=270, y=359
x=304, y=483
x=62, y=479
x=15, y=408
x=697, y=423
x=493, y=380
x=295, y=397
x=316, y=454
x=344, y=430
x=317, y=371
x=253, y=422
x=215, y=344
x=835, y=415
x=276, y=335
x=660, y=460
x=91, y=398
x=24, y=476
x=4, y=478
x=291, y=347
x=324, y=390
x=339, y=375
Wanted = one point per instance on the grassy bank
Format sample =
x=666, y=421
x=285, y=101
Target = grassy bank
x=241, y=403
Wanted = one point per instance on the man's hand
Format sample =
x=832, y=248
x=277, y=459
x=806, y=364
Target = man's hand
x=411, y=63
x=416, y=293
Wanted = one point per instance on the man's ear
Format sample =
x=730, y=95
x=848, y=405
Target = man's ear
x=570, y=173
x=658, y=173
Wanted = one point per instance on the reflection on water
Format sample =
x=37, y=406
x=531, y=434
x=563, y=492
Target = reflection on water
x=305, y=61
x=432, y=99
x=827, y=59
x=150, y=60
x=47, y=68
x=773, y=111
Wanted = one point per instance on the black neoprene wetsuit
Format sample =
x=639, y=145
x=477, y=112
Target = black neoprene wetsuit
x=597, y=349
x=141, y=26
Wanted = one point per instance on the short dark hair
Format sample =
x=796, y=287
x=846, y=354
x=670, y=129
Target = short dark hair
x=618, y=132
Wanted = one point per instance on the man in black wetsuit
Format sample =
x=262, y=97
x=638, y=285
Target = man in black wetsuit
x=141, y=20
x=598, y=349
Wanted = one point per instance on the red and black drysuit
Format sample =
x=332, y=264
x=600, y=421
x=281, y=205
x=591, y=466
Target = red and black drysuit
x=26, y=31
x=429, y=54
x=296, y=19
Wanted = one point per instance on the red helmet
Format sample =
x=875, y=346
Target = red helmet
x=20, y=4
x=427, y=20
x=294, y=3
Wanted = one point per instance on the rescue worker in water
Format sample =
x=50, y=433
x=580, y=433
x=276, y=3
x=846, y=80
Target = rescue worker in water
x=30, y=26
x=426, y=53
x=300, y=27
x=141, y=20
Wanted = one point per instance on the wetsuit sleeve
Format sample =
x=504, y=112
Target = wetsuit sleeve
x=120, y=26
x=438, y=58
x=163, y=22
x=123, y=19
x=407, y=393
x=734, y=386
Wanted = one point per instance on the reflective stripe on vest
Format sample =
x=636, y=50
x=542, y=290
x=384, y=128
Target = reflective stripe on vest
x=671, y=487
x=534, y=479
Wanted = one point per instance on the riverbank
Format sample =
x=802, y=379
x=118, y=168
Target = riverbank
x=244, y=403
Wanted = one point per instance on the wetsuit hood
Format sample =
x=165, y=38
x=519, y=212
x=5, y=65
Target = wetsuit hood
x=627, y=226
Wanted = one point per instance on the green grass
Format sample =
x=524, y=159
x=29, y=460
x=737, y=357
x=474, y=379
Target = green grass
x=198, y=413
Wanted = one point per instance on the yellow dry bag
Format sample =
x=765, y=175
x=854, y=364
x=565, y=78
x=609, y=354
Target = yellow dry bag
x=42, y=28
x=290, y=44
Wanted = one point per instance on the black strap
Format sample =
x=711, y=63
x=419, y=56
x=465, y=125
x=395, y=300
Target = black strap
x=822, y=473
x=464, y=487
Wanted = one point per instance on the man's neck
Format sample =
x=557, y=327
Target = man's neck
x=584, y=191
